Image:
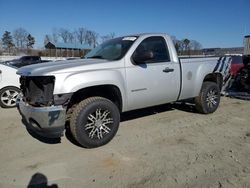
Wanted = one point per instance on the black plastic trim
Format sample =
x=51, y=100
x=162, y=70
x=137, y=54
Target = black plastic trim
x=62, y=99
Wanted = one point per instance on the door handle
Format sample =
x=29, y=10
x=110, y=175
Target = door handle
x=167, y=69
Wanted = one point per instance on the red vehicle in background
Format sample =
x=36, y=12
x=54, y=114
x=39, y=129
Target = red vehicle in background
x=236, y=65
x=243, y=76
x=239, y=79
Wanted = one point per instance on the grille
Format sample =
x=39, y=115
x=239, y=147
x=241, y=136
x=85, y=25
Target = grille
x=37, y=90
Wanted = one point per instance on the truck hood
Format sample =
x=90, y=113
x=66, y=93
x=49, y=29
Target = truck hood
x=66, y=66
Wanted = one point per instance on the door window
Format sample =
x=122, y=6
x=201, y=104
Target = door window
x=157, y=46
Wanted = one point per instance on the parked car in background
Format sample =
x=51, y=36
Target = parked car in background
x=9, y=85
x=9, y=80
x=243, y=76
x=25, y=60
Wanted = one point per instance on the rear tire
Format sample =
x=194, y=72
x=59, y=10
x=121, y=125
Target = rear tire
x=94, y=122
x=8, y=96
x=209, y=98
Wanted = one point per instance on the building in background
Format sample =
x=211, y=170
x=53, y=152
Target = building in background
x=247, y=45
x=66, y=49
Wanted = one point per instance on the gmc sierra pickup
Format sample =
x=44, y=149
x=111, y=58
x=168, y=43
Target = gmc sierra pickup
x=122, y=74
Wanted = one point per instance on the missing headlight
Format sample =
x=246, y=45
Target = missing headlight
x=38, y=90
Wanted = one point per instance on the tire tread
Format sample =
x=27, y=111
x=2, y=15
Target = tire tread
x=77, y=110
x=199, y=100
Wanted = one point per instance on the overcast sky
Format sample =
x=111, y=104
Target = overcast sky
x=214, y=23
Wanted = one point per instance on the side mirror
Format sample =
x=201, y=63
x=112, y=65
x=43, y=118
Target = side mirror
x=141, y=57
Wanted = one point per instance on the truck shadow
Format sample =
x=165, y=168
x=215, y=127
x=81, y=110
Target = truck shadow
x=185, y=107
x=135, y=114
x=39, y=137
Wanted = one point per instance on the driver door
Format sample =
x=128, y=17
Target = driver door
x=154, y=81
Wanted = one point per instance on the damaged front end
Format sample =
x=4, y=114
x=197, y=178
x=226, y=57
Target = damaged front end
x=37, y=90
x=42, y=111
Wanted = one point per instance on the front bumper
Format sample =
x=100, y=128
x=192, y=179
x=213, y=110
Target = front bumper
x=45, y=121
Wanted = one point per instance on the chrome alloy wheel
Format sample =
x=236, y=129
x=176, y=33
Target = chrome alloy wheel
x=99, y=124
x=212, y=98
x=8, y=97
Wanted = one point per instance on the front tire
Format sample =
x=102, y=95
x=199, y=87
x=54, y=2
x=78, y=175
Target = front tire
x=8, y=96
x=94, y=122
x=209, y=98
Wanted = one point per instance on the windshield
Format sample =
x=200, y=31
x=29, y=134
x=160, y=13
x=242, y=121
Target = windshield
x=113, y=49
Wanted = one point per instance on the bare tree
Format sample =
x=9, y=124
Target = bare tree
x=71, y=37
x=195, y=45
x=108, y=37
x=87, y=37
x=55, y=35
x=81, y=35
x=47, y=39
x=187, y=46
x=95, y=37
x=20, y=37
x=64, y=34
x=91, y=38
x=75, y=34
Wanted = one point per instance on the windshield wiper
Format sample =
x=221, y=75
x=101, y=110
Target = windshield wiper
x=96, y=57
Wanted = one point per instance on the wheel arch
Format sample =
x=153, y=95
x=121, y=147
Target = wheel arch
x=108, y=91
x=10, y=86
x=214, y=77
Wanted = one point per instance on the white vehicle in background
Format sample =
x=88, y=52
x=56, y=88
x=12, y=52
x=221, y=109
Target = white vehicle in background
x=9, y=86
x=9, y=80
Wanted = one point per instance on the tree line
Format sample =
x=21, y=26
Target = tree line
x=20, y=40
x=187, y=46
x=81, y=35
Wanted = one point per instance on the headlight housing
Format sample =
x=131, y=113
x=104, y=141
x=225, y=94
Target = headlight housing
x=37, y=90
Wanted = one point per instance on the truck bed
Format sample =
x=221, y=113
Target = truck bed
x=192, y=67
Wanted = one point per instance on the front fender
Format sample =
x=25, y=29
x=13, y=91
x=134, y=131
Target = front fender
x=76, y=81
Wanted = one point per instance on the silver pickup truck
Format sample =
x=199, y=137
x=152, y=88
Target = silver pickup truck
x=122, y=74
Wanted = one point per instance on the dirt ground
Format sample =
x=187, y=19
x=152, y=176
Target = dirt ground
x=167, y=146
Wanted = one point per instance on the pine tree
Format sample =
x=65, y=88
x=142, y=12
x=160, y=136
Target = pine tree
x=7, y=40
x=30, y=41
